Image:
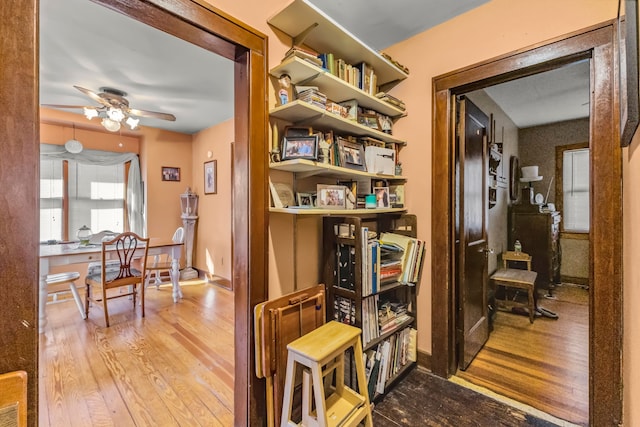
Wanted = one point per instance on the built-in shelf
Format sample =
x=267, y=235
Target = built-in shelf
x=328, y=212
x=306, y=168
x=336, y=89
x=329, y=36
x=304, y=113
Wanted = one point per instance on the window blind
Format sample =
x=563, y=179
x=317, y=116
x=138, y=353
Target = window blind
x=575, y=188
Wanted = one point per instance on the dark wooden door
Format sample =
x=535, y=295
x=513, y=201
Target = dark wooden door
x=472, y=321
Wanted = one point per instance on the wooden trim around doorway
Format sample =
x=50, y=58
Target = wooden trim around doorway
x=599, y=44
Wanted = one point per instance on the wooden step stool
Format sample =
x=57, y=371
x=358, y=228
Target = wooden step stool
x=320, y=352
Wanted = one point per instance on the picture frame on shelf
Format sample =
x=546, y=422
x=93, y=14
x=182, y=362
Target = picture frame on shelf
x=382, y=197
x=281, y=194
x=331, y=196
x=305, y=200
x=352, y=155
x=210, y=179
x=170, y=173
x=369, y=120
x=300, y=147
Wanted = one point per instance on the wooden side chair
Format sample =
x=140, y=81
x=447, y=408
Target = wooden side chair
x=13, y=399
x=515, y=278
x=123, y=248
x=160, y=263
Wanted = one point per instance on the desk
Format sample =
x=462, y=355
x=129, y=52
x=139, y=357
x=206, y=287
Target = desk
x=72, y=253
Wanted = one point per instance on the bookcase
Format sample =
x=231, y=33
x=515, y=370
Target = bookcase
x=361, y=294
x=311, y=29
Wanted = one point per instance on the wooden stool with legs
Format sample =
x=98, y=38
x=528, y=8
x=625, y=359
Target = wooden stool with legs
x=516, y=278
x=320, y=353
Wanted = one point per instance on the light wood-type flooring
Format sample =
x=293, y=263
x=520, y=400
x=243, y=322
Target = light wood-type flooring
x=174, y=367
x=545, y=364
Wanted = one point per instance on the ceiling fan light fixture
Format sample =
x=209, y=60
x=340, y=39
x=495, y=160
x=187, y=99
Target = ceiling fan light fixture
x=90, y=113
x=110, y=125
x=132, y=122
x=115, y=114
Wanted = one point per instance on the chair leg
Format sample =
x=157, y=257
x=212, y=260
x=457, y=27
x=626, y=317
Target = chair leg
x=87, y=296
x=76, y=297
x=104, y=306
x=142, y=297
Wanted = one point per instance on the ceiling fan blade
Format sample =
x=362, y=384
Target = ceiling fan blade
x=91, y=94
x=153, y=114
x=64, y=106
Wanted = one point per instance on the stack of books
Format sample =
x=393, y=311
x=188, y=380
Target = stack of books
x=307, y=54
x=412, y=256
x=390, y=99
x=314, y=97
x=391, y=315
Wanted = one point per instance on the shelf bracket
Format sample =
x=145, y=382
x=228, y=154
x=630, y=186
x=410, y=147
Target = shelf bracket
x=299, y=39
x=307, y=80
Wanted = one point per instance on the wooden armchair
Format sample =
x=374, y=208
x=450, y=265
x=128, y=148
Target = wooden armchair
x=123, y=248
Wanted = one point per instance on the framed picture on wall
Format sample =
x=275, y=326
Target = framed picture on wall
x=170, y=173
x=210, y=180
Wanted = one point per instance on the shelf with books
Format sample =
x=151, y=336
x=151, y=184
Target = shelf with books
x=336, y=89
x=297, y=210
x=352, y=259
x=308, y=25
x=301, y=112
x=311, y=167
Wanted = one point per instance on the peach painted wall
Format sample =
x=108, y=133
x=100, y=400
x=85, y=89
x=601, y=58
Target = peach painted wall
x=496, y=28
x=213, y=229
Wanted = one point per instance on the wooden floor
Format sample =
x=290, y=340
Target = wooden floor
x=545, y=364
x=174, y=367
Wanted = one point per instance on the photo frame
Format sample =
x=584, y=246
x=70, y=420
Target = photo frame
x=170, y=173
x=331, y=196
x=300, y=147
x=369, y=120
x=628, y=66
x=210, y=178
x=351, y=155
x=305, y=200
x=382, y=197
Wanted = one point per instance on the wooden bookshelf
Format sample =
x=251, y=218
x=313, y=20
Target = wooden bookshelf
x=306, y=168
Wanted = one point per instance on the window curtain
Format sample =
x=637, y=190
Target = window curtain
x=107, y=158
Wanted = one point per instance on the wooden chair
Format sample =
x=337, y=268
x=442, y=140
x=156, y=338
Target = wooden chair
x=106, y=279
x=13, y=399
x=161, y=264
x=516, y=278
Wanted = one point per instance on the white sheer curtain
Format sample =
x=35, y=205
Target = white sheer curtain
x=107, y=158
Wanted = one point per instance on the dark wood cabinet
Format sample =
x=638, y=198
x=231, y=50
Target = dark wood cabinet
x=538, y=233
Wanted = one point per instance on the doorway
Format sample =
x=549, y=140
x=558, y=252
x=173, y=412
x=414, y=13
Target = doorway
x=198, y=24
x=543, y=363
x=605, y=274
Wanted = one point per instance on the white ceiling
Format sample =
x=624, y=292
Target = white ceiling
x=85, y=44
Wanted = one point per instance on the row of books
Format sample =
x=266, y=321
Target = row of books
x=360, y=75
x=344, y=310
x=387, y=358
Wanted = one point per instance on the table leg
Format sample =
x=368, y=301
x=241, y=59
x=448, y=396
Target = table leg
x=175, y=276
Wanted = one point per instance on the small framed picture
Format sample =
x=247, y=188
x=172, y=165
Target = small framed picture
x=369, y=120
x=210, y=180
x=351, y=155
x=305, y=199
x=170, y=173
x=331, y=196
x=300, y=147
x=382, y=197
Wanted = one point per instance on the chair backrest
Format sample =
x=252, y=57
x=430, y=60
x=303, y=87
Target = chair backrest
x=126, y=244
x=178, y=236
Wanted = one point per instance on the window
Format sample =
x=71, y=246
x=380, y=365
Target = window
x=95, y=197
x=575, y=190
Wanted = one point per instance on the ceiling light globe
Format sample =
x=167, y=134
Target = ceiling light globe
x=115, y=114
x=90, y=113
x=132, y=122
x=110, y=125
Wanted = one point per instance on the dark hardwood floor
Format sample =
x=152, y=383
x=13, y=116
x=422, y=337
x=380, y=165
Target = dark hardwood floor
x=545, y=364
x=175, y=368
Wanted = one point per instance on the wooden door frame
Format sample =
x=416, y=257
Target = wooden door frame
x=599, y=43
x=199, y=23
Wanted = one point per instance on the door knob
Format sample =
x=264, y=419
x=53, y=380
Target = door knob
x=486, y=250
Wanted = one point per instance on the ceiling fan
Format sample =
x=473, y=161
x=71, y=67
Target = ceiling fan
x=114, y=109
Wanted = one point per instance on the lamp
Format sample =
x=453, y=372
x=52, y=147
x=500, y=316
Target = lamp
x=529, y=175
x=115, y=114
